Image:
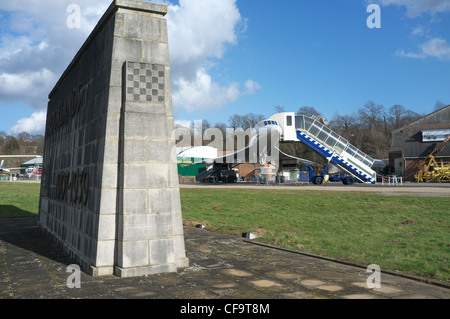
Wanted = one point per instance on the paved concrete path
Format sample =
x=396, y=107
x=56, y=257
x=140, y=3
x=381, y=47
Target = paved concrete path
x=221, y=267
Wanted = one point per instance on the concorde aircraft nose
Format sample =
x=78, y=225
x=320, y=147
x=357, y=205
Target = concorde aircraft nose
x=274, y=130
x=278, y=129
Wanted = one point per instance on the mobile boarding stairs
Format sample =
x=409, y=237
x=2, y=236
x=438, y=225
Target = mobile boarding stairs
x=336, y=149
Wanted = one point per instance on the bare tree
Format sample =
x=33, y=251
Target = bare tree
x=280, y=108
x=311, y=112
x=371, y=114
x=252, y=119
x=343, y=123
x=396, y=113
x=411, y=116
x=245, y=121
x=235, y=121
x=221, y=126
x=24, y=136
x=400, y=116
x=439, y=105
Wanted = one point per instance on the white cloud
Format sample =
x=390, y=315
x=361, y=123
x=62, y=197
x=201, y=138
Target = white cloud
x=49, y=17
x=33, y=125
x=10, y=46
x=418, y=31
x=201, y=29
x=183, y=124
x=402, y=53
x=415, y=8
x=434, y=48
x=203, y=93
x=197, y=42
x=31, y=87
x=37, y=46
x=35, y=49
x=252, y=86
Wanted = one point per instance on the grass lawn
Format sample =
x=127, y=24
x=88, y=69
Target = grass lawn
x=19, y=199
x=403, y=233
x=408, y=234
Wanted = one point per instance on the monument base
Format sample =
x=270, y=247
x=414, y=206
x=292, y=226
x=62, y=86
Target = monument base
x=182, y=263
x=151, y=269
x=100, y=271
x=144, y=271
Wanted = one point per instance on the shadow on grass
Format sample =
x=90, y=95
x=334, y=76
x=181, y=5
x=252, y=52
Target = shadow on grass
x=8, y=211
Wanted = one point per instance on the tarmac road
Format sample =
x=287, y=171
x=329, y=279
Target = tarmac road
x=406, y=189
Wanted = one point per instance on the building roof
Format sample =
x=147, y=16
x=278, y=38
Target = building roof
x=441, y=116
x=409, y=138
x=34, y=161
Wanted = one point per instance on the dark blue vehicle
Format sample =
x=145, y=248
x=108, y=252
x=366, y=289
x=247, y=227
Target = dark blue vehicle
x=320, y=178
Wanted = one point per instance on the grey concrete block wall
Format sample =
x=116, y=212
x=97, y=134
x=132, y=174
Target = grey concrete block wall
x=109, y=190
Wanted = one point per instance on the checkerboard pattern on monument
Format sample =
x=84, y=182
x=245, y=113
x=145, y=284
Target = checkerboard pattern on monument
x=145, y=82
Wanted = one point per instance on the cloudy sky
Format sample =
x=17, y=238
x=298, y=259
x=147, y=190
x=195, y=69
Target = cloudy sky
x=240, y=56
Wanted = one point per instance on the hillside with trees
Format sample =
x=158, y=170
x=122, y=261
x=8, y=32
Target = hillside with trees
x=22, y=144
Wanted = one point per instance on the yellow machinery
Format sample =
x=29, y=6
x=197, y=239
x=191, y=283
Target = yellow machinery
x=432, y=172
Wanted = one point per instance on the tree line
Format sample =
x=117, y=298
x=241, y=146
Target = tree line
x=368, y=129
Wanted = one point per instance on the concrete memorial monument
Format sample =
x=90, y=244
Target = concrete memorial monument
x=109, y=192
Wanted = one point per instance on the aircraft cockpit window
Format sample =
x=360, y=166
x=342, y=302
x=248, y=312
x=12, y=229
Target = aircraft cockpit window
x=265, y=122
